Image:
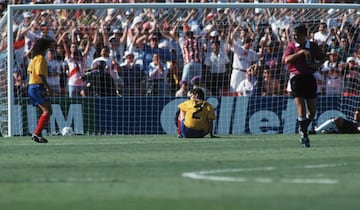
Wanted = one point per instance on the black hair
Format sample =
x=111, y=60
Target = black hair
x=101, y=65
x=199, y=93
x=77, y=53
x=189, y=34
x=216, y=42
x=40, y=46
x=324, y=24
x=248, y=40
x=300, y=29
x=106, y=48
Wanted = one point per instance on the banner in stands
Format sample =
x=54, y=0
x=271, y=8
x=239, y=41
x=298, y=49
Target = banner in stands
x=152, y=115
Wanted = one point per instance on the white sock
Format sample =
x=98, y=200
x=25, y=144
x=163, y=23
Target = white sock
x=327, y=125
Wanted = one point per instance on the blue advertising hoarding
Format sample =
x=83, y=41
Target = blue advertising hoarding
x=157, y=115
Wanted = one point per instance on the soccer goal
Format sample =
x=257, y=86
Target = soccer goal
x=137, y=61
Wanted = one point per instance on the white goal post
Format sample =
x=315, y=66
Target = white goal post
x=237, y=114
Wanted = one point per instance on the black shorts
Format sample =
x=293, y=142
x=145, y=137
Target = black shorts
x=303, y=86
x=349, y=127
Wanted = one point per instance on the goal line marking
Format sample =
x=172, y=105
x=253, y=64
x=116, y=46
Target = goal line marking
x=211, y=175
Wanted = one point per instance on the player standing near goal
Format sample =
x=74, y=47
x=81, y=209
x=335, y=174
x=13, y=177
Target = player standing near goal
x=303, y=57
x=196, y=116
x=38, y=89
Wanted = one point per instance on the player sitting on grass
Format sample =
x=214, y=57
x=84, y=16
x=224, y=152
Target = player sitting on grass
x=196, y=116
x=341, y=125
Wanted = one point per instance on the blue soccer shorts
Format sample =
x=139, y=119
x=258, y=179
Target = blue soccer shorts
x=37, y=94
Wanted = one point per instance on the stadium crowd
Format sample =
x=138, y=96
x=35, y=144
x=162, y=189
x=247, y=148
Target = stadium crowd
x=165, y=52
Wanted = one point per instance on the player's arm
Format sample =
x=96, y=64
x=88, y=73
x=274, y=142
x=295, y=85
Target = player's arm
x=300, y=55
x=211, y=130
x=357, y=118
x=211, y=118
x=46, y=85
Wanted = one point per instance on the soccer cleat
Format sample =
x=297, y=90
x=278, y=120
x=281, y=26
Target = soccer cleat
x=305, y=141
x=43, y=139
x=38, y=139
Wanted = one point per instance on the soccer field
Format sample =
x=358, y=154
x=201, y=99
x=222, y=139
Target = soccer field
x=249, y=172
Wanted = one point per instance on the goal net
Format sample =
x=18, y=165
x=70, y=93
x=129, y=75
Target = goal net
x=124, y=68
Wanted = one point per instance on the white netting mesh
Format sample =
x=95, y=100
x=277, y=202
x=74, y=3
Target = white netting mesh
x=153, y=51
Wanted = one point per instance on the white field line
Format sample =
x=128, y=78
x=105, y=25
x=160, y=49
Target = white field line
x=65, y=180
x=310, y=181
x=211, y=175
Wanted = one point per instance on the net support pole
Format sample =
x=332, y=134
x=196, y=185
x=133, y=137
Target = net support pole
x=10, y=80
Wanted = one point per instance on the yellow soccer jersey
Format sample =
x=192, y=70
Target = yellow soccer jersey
x=37, y=66
x=198, y=113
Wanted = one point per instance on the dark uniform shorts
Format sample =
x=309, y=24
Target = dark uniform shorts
x=349, y=127
x=190, y=133
x=303, y=86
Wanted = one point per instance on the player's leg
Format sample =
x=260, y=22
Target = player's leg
x=302, y=119
x=190, y=133
x=304, y=92
x=180, y=124
x=44, y=118
x=301, y=113
x=39, y=97
x=326, y=126
x=311, y=110
x=179, y=127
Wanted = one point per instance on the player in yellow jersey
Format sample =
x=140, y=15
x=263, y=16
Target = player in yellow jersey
x=38, y=88
x=196, y=116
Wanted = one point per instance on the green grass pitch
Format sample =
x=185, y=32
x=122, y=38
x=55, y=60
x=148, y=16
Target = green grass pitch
x=162, y=172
